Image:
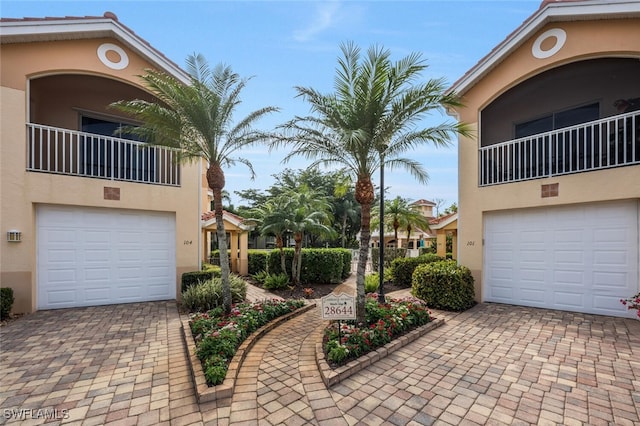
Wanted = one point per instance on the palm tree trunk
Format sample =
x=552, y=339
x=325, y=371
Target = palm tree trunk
x=215, y=176
x=364, y=196
x=280, y=245
x=363, y=254
x=296, y=263
x=343, y=234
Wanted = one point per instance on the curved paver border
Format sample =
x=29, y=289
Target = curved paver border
x=331, y=377
x=205, y=393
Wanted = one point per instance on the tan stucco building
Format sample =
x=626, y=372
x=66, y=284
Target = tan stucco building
x=98, y=219
x=549, y=187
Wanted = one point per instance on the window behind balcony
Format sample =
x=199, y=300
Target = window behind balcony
x=103, y=158
x=558, y=120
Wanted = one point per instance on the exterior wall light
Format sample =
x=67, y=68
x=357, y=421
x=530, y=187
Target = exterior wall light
x=14, y=236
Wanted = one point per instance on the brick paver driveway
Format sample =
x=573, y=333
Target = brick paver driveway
x=495, y=364
x=502, y=364
x=97, y=365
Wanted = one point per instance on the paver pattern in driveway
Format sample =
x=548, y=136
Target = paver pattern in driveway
x=494, y=364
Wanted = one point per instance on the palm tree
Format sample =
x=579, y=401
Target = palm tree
x=272, y=218
x=413, y=218
x=370, y=120
x=198, y=120
x=309, y=214
x=400, y=214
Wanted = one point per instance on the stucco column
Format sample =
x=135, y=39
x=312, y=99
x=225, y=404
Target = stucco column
x=234, y=251
x=243, y=261
x=205, y=245
x=454, y=244
x=441, y=239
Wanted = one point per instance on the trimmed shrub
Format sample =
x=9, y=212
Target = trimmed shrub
x=207, y=295
x=444, y=285
x=195, y=277
x=319, y=266
x=276, y=281
x=6, y=301
x=215, y=270
x=402, y=268
x=257, y=261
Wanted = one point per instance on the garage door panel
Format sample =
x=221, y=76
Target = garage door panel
x=582, y=258
x=603, y=304
x=105, y=256
x=571, y=278
x=500, y=293
x=610, y=280
x=97, y=295
x=533, y=296
x=573, y=300
x=61, y=298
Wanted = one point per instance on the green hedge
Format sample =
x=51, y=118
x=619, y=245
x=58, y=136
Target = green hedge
x=257, y=261
x=6, y=302
x=402, y=268
x=444, y=285
x=319, y=266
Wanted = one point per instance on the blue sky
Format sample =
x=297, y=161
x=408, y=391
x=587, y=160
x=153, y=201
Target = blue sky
x=283, y=44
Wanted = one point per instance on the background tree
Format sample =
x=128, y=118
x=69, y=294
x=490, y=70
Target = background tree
x=198, y=120
x=371, y=117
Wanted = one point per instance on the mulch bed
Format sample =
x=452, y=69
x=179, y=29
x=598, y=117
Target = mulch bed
x=319, y=290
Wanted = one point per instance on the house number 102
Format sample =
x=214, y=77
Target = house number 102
x=471, y=243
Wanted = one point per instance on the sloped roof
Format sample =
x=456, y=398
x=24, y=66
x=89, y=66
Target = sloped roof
x=30, y=30
x=549, y=11
x=442, y=221
x=423, y=202
x=209, y=218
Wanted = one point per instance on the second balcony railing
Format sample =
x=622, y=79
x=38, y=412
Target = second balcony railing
x=601, y=144
x=69, y=152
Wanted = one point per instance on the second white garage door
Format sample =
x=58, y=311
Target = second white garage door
x=92, y=256
x=577, y=258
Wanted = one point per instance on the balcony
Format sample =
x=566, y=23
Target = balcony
x=602, y=144
x=68, y=152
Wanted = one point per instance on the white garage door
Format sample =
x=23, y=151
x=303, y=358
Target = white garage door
x=579, y=258
x=91, y=256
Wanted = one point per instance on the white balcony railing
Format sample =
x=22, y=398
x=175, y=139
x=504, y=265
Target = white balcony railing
x=602, y=144
x=68, y=152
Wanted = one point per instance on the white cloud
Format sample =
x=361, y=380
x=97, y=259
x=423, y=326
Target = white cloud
x=324, y=18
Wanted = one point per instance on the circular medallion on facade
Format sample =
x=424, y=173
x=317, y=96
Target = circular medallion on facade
x=560, y=37
x=103, y=51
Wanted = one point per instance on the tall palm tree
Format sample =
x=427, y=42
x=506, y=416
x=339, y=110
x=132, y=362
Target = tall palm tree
x=369, y=120
x=198, y=120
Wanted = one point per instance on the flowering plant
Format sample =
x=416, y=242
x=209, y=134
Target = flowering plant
x=218, y=336
x=632, y=303
x=308, y=292
x=383, y=322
